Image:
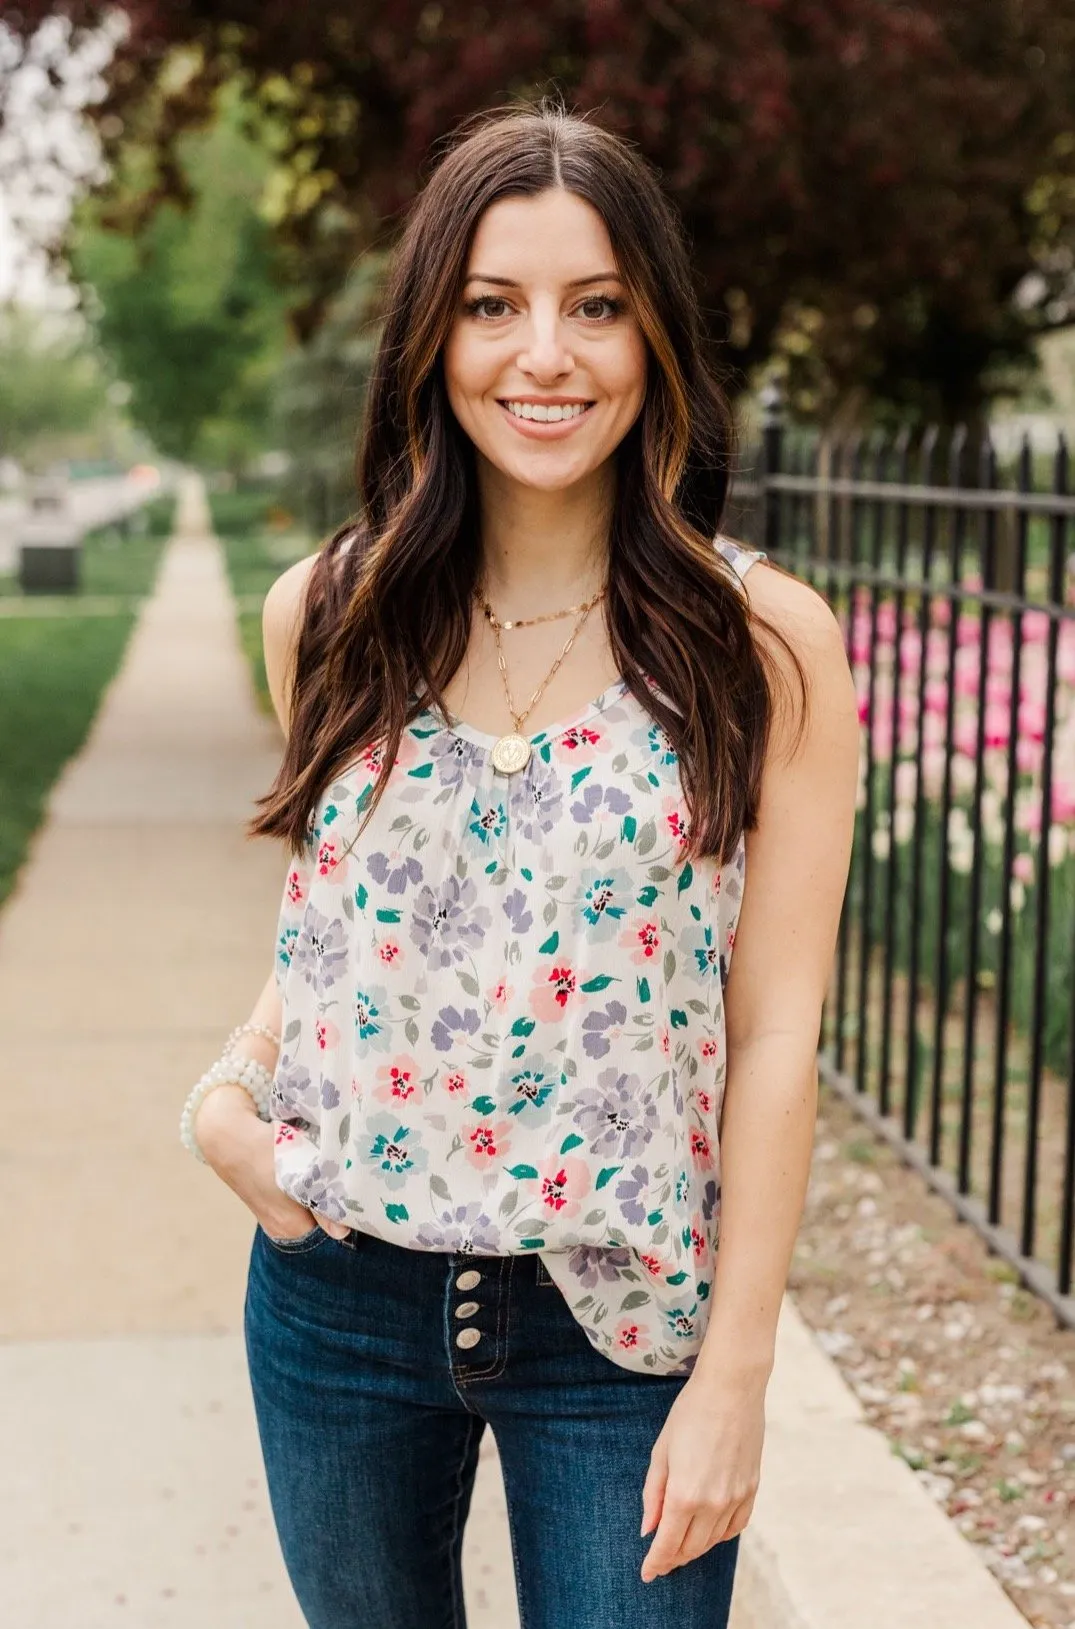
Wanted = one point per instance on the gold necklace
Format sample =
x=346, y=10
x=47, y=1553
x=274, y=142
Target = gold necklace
x=512, y=751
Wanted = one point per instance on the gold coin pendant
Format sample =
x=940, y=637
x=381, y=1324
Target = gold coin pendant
x=510, y=753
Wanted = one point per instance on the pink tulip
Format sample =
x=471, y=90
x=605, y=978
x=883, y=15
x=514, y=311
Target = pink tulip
x=1032, y=721
x=1023, y=868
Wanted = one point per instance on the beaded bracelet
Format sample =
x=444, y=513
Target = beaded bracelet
x=252, y=1076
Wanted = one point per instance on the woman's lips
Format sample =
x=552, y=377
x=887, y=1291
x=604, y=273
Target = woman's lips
x=542, y=430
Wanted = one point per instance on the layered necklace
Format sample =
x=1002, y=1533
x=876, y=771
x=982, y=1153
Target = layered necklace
x=511, y=752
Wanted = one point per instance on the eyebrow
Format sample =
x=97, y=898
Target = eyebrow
x=576, y=282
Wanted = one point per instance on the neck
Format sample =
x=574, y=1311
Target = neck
x=541, y=551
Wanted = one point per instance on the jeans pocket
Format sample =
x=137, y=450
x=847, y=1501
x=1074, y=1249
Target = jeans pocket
x=296, y=1246
x=543, y=1274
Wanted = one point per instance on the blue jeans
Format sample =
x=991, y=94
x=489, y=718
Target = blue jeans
x=375, y=1369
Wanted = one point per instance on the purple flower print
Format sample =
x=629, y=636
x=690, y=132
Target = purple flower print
x=330, y=1097
x=465, y=1228
x=632, y=1193
x=517, y=911
x=618, y=1115
x=590, y=1263
x=320, y=952
x=395, y=1151
x=396, y=873
x=536, y=800
x=594, y=1041
x=448, y=923
x=455, y=761
x=293, y=1091
x=318, y=1186
x=449, y=1021
x=594, y=799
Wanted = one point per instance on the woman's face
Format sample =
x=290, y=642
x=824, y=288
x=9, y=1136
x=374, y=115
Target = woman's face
x=543, y=319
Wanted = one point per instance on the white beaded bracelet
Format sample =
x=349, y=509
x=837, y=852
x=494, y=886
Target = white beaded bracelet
x=228, y=1070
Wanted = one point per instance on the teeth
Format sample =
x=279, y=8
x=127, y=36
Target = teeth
x=546, y=415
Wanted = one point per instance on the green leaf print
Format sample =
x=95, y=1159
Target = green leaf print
x=361, y=896
x=397, y=1213
x=686, y=876
x=676, y=1278
x=696, y=913
x=643, y=989
x=549, y=947
x=520, y=1172
x=469, y=983
x=579, y=776
x=484, y=1105
x=438, y=1186
x=421, y=772
x=677, y=1018
x=628, y=829
x=386, y=915
x=606, y=1173
x=348, y=907
x=669, y=965
x=523, y=1026
x=647, y=896
x=345, y=1129
x=636, y=1298
x=653, y=1218
x=531, y=1244
x=517, y=1051
x=509, y=1202
x=647, y=837
x=331, y=814
x=524, y=872
x=601, y=982
x=570, y=1142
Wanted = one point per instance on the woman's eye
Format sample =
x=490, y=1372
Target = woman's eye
x=479, y=307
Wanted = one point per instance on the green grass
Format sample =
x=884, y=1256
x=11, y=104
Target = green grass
x=260, y=540
x=52, y=673
x=54, y=669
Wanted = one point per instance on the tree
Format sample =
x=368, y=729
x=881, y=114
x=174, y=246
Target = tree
x=190, y=308
x=52, y=383
x=883, y=194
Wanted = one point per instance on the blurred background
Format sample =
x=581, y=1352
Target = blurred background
x=196, y=205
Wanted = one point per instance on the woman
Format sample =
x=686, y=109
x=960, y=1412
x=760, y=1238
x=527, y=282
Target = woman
x=522, y=1079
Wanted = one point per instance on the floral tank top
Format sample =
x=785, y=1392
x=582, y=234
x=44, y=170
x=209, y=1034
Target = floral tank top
x=503, y=1020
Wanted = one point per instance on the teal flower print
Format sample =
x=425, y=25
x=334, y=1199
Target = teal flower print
x=489, y=821
x=373, y=1027
x=530, y=1091
x=607, y=897
x=393, y=1150
x=681, y=1322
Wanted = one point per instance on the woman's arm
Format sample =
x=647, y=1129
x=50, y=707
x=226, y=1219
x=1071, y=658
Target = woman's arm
x=706, y=1464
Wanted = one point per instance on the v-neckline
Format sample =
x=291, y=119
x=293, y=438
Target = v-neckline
x=487, y=739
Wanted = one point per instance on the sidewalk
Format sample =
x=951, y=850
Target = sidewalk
x=140, y=930
x=133, y=1492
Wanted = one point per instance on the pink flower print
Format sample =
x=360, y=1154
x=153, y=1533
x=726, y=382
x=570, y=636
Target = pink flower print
x=501, y=993
x=455, y=1081
x=664, y=1041
x=296, y=893
x=330, y=857
x=563, y=1184
x=700, y=1148
x=371, y=759
x=553, y=993
x=730, y=941
x=487, y=1143
x=326, y=1034
x=703, y=1100
x=397, y=1081
x=699, y=1242
x=630, y=1337
x=716, y=882
x=708, y=1046
x=652, y=1264
x=580, y=743
x=643, y=940
x=389, y=951
x=284, y=1133
x=676, y=821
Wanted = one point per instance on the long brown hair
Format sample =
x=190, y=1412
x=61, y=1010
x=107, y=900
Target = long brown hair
x=388, y=602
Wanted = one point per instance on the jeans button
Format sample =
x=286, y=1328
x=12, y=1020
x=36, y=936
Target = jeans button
x=466, y=1309
x=468, y=1337
x=468, y=1280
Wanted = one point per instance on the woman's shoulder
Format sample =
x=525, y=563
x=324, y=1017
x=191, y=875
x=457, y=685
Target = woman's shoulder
x=281, y=622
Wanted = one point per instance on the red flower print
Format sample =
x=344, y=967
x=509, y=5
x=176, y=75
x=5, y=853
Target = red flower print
x=652, y=1264
x=664, y=1040
x=389, y=951
x=326, y=1035
x=455, y=1081
x=501, y=993
x=699, y=1243
x=327, y=858
x=563, y=1183
x=563, y=981
x=704, y=1101
x=731, y=938
x=553, y=992
x=700, y=1147
x=716, y=882
x=397, y=1081
x=284, y=1133
x=296, y=893
x=372, y=759
x=487, y=1143
x=708, y=1047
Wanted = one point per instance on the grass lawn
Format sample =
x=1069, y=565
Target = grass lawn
x=260, y=540
x=53, y=670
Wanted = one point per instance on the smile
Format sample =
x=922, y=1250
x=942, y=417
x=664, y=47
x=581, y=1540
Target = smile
x=546, y=423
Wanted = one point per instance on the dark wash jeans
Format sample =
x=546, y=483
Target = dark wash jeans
x=370, y=1413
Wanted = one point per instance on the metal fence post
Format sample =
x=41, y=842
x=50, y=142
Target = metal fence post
x=772, y=442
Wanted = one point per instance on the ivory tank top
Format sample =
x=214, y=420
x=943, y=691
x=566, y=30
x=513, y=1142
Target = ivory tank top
x=503, y=1018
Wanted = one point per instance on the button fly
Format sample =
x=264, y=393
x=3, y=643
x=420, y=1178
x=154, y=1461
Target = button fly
x=468, y=1280
x=466, y=1309
x=468, y=1337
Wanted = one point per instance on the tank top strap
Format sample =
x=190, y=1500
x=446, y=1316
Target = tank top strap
x=740, y=558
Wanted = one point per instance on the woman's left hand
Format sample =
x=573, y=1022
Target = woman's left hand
x=704, y=1469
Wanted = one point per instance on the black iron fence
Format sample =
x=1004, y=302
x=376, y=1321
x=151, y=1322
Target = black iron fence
x=950, y=1022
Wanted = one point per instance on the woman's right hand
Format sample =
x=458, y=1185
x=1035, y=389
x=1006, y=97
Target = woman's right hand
x=239, y=1146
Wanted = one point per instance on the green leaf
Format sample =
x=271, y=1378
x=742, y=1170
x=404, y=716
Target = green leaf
x=522, y=1026
x=677, y=1018
x=570, y=1142
x=361, y=896
x=606, y=1174
x=643, y=989
x=676, y=1278
x=601, y=982
x=397, y=1213
x=629, y=827
x=685, y=878
x=386, y=915
x=421, y=772
x=519, y=1172
x=549, y=947
x=484, y=1105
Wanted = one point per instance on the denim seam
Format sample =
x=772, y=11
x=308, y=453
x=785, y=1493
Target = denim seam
x=492, y=1372
x=458, y=1619
x=519, y=1601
